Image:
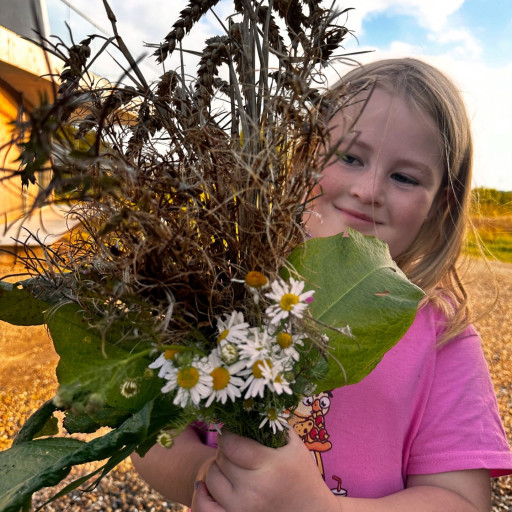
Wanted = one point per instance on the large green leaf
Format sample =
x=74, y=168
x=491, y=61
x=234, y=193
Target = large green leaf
x=19, y=307
x=89, y=365
x=30, y=466
x=370, y=294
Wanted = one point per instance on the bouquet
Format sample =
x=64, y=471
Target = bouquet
x=186, y=290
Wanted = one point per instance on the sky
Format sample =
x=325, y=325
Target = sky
x=471, y=40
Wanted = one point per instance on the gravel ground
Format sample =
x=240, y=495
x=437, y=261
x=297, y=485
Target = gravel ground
x=27, y=379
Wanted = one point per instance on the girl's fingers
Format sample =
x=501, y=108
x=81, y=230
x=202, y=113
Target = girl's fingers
x=218, y=484
x=242, y=452
x=202, y=501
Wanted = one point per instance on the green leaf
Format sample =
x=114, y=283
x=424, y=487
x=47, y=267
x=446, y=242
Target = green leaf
x=19, y=307
x=30, y=466
x=89, y=365
x=50, y=428
x=357, y=284
x=35, y=423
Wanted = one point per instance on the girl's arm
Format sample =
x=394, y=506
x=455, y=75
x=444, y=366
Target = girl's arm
x=173, y=472
x=285, y=479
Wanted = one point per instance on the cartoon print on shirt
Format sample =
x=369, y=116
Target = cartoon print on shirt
x=309, y=423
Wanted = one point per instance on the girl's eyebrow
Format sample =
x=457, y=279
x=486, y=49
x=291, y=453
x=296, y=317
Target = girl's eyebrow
x=420, y=166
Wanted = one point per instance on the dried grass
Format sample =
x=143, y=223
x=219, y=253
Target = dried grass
x=183, y=185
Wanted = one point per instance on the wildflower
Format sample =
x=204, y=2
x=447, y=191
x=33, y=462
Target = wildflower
x=224, y=383
x=166, y=438
x=255, y=282
x=257, y=380
x=277, y=420
x=229, y=353
x=248, y=404
x=192, y=381
x=289, y=298
x=164, y=362
x=255, y=279
x=233, y=328
x=287, y=344
x=275, y=379
x=130, y=388
x=257, y=345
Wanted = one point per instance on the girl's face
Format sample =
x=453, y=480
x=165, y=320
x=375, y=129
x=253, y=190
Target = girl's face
x=383, y=177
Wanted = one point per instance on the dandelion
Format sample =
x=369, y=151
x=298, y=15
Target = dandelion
x=192, y=381
x=289, y=298
x=277, y=420
x=233, y=328
x=129, y=388
x=224, y=383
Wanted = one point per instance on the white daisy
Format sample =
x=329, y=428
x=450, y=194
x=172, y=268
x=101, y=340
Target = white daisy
x=164, y=362
x=232, y=328
x=255, y=282
x=192, y=381
x=258, y=345
x=256, y=381
x=286, y=343
x=289, y=298
x=225, y=383
x=277, y=420
x=274, y=376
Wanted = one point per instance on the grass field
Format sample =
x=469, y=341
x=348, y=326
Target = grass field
x=495, y=236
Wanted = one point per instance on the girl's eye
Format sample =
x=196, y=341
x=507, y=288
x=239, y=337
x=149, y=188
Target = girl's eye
x=348, y=159
x=402, y=178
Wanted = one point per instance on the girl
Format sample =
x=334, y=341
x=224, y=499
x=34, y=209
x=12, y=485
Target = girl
x=422, y=431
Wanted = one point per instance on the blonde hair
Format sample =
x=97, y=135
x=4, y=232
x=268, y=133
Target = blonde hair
x=431, y=260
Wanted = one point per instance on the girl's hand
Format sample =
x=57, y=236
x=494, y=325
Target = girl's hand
x=246, y=475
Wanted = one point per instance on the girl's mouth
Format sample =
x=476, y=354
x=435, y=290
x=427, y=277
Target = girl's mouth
x=357, y=216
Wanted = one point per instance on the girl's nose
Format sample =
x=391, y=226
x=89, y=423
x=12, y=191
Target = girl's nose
x=368, y=187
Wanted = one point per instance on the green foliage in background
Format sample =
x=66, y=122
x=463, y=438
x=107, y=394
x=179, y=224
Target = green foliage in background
x=491, y=213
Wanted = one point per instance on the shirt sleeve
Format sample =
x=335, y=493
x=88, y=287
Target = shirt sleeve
x=461, y=426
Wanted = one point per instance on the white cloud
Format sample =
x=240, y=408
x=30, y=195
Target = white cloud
x=431, y=14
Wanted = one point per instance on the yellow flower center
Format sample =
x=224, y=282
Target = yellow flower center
x=272, y=413
x=255, y=279
x=257, y=370
x=187, y=377
x=222, y=336
x=284, y=340
x=170, y=354
x=288, y=300
x=220, y=378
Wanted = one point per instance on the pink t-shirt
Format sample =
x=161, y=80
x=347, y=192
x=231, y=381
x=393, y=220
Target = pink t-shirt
x=421, y=411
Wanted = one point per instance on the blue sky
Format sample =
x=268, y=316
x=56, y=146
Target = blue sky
x=471, y=40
